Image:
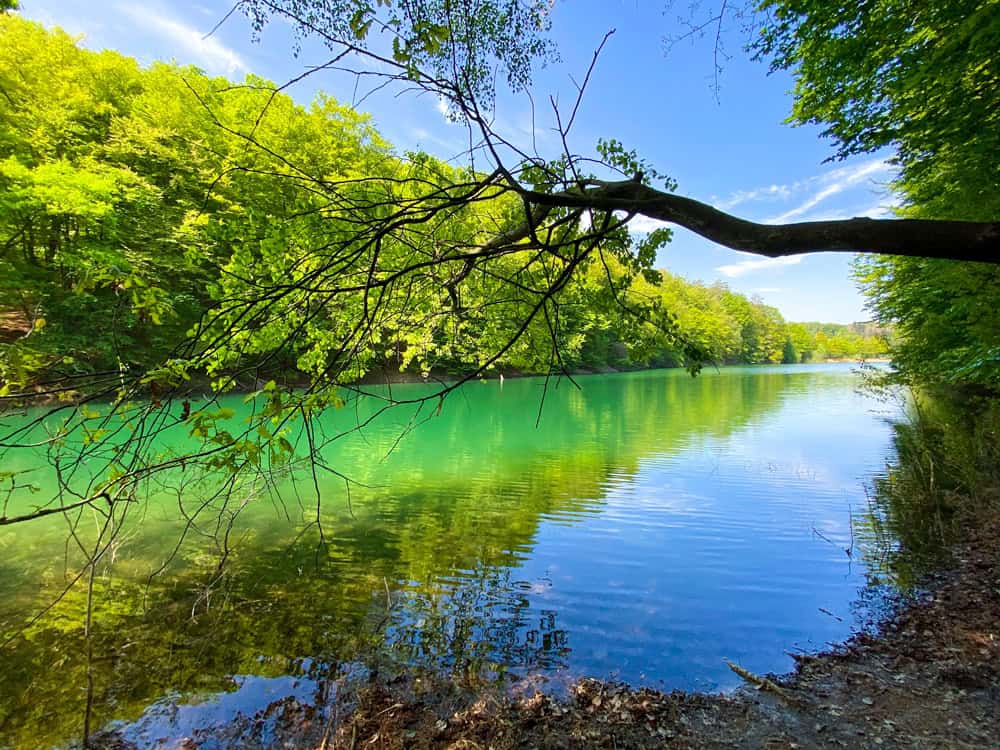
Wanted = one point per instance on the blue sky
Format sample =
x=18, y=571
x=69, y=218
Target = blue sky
x=732, y=150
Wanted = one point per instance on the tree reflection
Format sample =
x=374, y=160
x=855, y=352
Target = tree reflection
x=420, y=572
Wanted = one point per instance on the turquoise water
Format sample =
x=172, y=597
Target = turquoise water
x=650, y=526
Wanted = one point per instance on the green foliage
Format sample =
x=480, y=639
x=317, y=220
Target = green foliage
x=946, y=317
x=924, y=79
x=139, y=205
x=946, y=461
x=629, y=163
x=467, y=45
x=686, y=323
x=124, y=191
x=833, y=341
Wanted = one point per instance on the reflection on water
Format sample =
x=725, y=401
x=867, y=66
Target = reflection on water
x=650, y=526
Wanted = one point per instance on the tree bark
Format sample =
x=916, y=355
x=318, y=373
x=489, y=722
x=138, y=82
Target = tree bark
x=953, y=240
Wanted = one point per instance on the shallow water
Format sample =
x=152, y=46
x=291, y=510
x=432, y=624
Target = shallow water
x=651, y=526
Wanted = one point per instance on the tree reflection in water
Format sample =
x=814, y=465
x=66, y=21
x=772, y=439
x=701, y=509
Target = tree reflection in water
x=427, y=568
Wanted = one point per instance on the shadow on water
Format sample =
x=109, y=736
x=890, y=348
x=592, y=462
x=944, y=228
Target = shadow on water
x=450, y=553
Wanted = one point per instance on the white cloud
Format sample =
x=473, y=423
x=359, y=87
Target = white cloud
x=749, y=266
x=830, y=215
x=443, y=107
x=833, y=183
x=421, y=137
x=192, y=44
x=644, y=224
x=821, y=187
x=882, y=209
x=771, y=192
x=878, y=210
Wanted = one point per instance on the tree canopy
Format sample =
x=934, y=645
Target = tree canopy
x=166, y=236
x=923, y=79
x=443, y=48
x=301, y=252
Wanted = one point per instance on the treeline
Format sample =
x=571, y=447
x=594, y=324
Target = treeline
x=936, y=104
x=722, y=326
x=133, y=201
x=130, y=203
x=926, y=85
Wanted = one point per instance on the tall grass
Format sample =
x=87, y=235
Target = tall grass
x=946, y=469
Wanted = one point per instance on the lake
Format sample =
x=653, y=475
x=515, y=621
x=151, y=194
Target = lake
x=649, y=527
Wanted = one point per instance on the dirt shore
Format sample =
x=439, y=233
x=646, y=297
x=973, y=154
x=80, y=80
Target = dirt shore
x=929, y=679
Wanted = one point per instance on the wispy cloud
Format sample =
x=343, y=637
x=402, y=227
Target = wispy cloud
x=749, y=266
x=771, y=192
x=421, y=137
x=879, y=210
x=191, y=43
x=834, y=182
x=444, y=108
x=645, y=225
x=883, y=209
x=820, y=188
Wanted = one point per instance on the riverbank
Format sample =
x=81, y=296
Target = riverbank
x=930, y=679
x=201, y=387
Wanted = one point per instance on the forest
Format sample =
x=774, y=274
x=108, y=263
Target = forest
x=254, y=429
x=130, y=209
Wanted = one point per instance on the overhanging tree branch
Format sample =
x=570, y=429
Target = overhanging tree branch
x=454, y=69
x=955, y=240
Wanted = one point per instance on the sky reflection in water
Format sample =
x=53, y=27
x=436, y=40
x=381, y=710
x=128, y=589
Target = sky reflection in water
x=650, y=527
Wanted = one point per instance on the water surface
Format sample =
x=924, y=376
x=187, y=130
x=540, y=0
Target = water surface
x=649, y=527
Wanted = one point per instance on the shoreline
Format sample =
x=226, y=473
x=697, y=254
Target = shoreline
x=396, y=378
x=929, y=678
x=24, y=400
